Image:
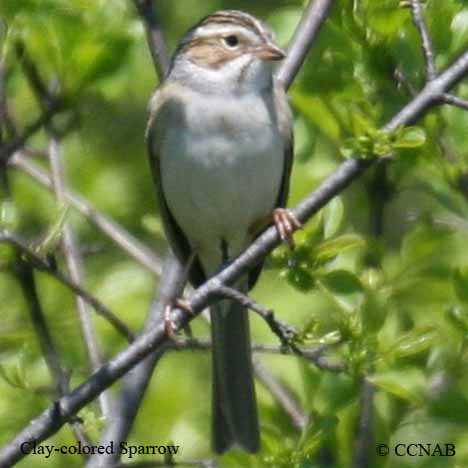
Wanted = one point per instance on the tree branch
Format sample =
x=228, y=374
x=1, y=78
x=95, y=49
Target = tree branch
x=75, y=270
x=312, y=354
x=120, y=236
x=282, y=396
x=303, y=39
x=426, y=42
x=135, y=382
x=25, y=275
x=428, y=51
x=154, y=35
x=364, y=443
x=455, y=101
x=8, y=149
x=284, y=332
x=42, y=265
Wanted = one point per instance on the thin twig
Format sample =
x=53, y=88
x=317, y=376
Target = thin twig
x=60, y=377
x=154, y=35
x=75, y=270
x=426, y=42
x=286, y=333
x=455, y=101
x=119, y=235
x=40, y=264
x=8, y=149
x=364, y=442
x=313, y=354
x=403, y=81
x=282, y=396
x=303, y=39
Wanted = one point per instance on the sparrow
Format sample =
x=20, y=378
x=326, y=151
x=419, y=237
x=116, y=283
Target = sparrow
x=220, y=142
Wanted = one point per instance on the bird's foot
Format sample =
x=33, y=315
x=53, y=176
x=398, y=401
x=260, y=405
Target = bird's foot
x=286, y=223
x=169, y=325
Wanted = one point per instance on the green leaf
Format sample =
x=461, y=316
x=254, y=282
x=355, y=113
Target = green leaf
x=332, y=217
x=328, y=250
x=53, y=234
x=407, y=384
x=459, y=27
x=316, y=431
x=153, y=225
x=9, y=217
x=342, y=282
x=300, y=278
x=317, y=111
x=458, y=317
x=414, y=342
x=374, y=310
x=410, y=137
x=344, y=289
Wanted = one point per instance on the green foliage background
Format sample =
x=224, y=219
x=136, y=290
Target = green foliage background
x=382, y=271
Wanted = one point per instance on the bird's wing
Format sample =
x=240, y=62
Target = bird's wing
x=285, y=121
x=162, y=109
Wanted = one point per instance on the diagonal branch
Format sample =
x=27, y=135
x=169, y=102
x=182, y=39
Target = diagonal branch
x=429, y=55
x=119, y=235
x=8, y=149
x=282, y=396
x=42, y=265
x=156, y=339
x=426, y=41
x=303, y=39
x=25, y=275
x=455, y=101
x=284, y=332
x=154, y=35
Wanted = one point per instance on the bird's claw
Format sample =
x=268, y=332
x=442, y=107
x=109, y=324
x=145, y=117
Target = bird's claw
x=169, y=325
x=286, y=223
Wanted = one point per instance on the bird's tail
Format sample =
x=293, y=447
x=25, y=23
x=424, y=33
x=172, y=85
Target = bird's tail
x=234, y=412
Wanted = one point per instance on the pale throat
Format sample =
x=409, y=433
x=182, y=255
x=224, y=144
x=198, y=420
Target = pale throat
x=242, y=75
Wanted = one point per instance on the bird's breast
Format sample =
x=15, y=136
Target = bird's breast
x=221, y=169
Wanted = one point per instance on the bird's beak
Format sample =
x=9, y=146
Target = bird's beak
x=270, y=51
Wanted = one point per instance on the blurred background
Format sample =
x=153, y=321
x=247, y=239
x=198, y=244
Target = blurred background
x=380, y=274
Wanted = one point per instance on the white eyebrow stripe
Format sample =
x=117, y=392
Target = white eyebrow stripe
x=221, y=30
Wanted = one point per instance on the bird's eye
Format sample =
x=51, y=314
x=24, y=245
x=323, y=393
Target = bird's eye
x=231, y=41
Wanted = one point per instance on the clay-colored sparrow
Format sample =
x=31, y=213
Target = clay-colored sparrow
x=221, y=144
